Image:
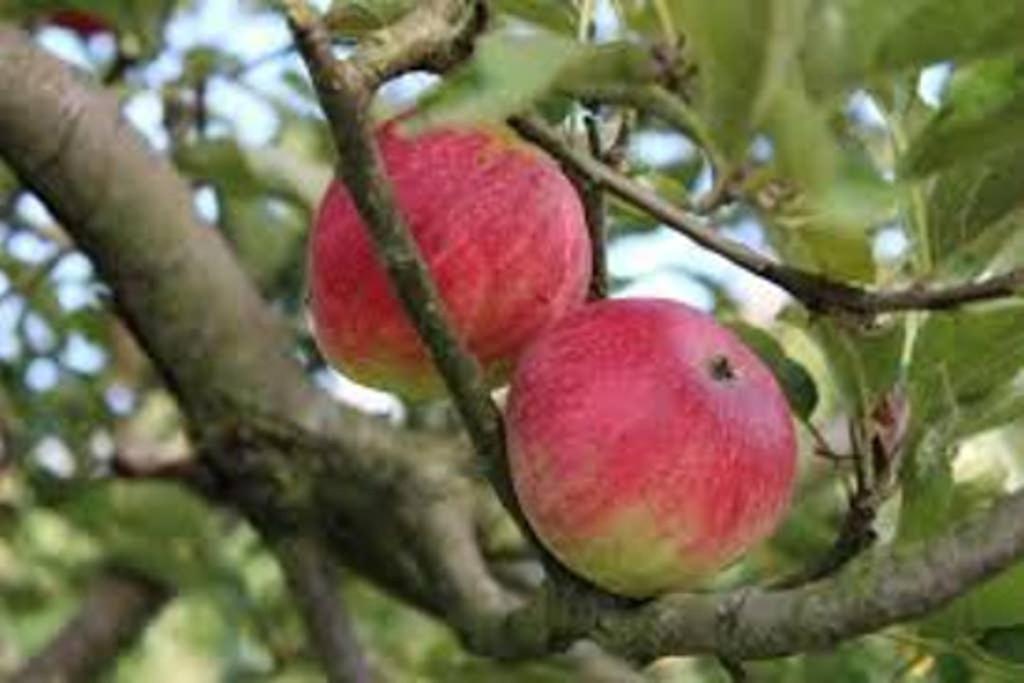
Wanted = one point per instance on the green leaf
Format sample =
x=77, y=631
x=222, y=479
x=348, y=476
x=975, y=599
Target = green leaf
x=245, y=172
x=962, y=357
x=607, y=63
x=559, y=17
x=995, y=604
x=960, y=361
x=865, y=362
x=852, y=40
x=511, y=71
x=805, y=148
x=995, y=409
x=972, y=210
x=828, y=226
x=742, y=52
x=793, y=377
x=824, y=247
x=156, y=528
x=951, y=29
x=506, y=75
x=267, y=237
x=928, y=490
x=966, y=132
x=1004, y=643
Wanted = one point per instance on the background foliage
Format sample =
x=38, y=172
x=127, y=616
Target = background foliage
x=877, y=142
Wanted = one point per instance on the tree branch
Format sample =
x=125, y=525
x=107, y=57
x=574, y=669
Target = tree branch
x=595, y=210
x=116, y=608
x=314, y=583
x=345, y=92
x=891, y=585
x=815, y=291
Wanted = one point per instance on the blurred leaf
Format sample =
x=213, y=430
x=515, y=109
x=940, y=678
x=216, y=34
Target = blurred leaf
x=958, y=360
x=267, y=236
x=507, y=73
x=865, y=362
x=993, y=605
x=984, y=115
x=156, y=528
x=950, y=29
x=730, y=41
x=962, y=356
x=203, y=62
x=618, y=62
x=828, y=229
x=794, y=379
x=928, y=502
x=995, y=409
x=851, y=40
x=559, y=17
x=247, y=172
x=972, y=210
x=805, y=148
x=510, y=71
x=823, y=247
x=1004, y=643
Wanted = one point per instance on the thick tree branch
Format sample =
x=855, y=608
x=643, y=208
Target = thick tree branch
x=312, y=578
x=116, y=609
x=813, y=290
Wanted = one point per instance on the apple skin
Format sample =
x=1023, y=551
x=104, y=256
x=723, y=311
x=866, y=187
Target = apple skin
x=648, y=446
x=85, y=24
x=501, y=230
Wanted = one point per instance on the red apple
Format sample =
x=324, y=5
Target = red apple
x=502, y=231
x=648, y=446
x=84, y=23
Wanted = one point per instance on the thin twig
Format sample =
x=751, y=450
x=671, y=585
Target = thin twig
x=815, y=291
x=595, y=209
x=313, y=580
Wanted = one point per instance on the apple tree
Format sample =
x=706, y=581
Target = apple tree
x=190, y=491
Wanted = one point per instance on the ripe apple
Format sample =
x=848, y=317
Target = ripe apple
x=499, y=226
x=648, y=446
x=82, y=22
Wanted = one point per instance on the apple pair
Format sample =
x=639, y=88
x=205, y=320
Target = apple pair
x=648, y=446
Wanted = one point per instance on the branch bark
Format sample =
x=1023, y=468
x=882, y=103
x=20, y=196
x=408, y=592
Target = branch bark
x=312, y=578
x=116, y=609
